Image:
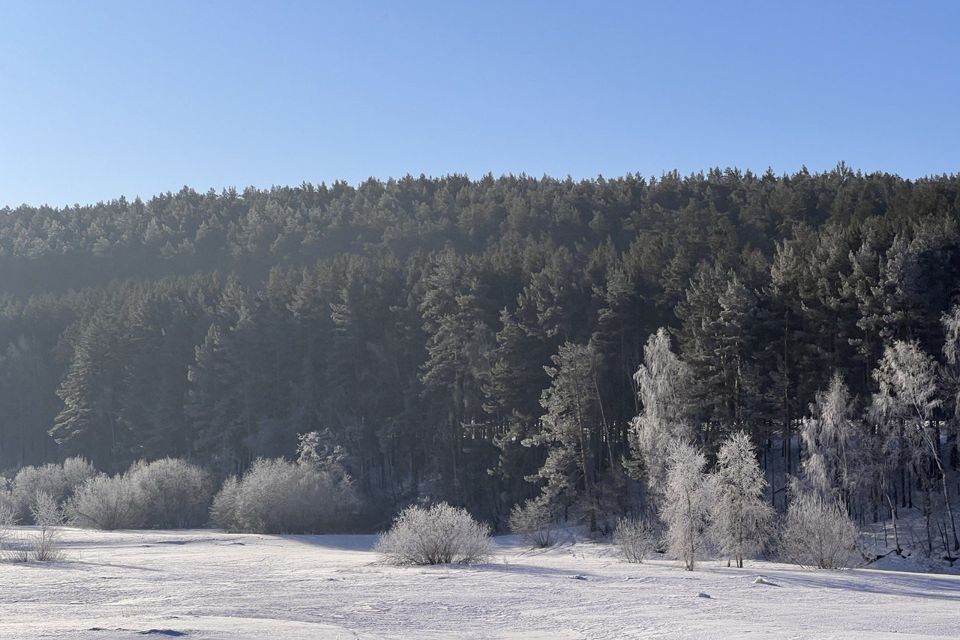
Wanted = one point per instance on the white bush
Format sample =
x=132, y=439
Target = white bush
x=104, y=502
x=635, y=539
x=167, y=493
x=8, y=506
x=817, y=533
x=8, y=519
x=223, y=512
x=55, y=480
x=533, y=521
x=76, y=471
x=279, y=496
x=440, y=534
x=170, y=494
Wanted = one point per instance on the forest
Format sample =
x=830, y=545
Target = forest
x=494, y=341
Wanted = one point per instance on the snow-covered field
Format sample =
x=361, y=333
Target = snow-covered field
x=207, y=584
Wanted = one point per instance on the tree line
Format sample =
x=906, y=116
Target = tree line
x=491, y=341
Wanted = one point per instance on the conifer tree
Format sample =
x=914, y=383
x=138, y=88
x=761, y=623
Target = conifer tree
x=571, y=416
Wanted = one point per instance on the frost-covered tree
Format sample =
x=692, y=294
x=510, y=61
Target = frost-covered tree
x=829, y=438
x=665, y=388
x=951, y=373
x=687, y=502
x=317, y=449
x=904, y=407
x=951, y=352
x=741, y=519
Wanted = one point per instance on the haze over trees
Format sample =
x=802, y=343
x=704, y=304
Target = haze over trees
x=487, y=342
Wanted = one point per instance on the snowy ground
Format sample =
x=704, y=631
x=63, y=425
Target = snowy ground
x=206, y=584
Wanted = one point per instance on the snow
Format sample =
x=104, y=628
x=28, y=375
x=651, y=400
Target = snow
x=208, y=584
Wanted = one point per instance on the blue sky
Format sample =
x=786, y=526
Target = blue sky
x=106, y=98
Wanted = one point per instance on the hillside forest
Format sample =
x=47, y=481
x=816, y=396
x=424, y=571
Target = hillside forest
x=486, y=342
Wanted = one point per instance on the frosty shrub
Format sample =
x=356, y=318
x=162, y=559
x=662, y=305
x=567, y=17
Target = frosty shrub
x=440, y=534
x=55, y=480
x=634, y=539
x=170, y=493
x=104, y=502
x=817, y=533
x=223, y=512
x=533, y=521
x=76, y=471
x=167, y=493
x=8, y=505
x=8, y=513
x=48, y=516
x=8, y=519
x=279, y=496
x=12, y=547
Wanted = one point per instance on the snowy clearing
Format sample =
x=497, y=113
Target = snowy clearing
x=207, y=584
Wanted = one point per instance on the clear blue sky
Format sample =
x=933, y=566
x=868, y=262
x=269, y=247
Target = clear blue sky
x=132, y=97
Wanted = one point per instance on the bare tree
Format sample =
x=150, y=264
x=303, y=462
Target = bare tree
x=48, y=516
x=635, y=539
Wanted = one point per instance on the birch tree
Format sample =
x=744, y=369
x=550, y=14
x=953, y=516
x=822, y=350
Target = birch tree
x=829, y=438
x=665, y=387
x=905, y=404
x=741, y=519
x=687, y=502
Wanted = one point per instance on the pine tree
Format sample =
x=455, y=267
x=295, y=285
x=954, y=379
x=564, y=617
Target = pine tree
x=457, y=362
x=720, y=341
x=512, y=399
x=87, y=425
x=569, y=428
x=216, y=408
